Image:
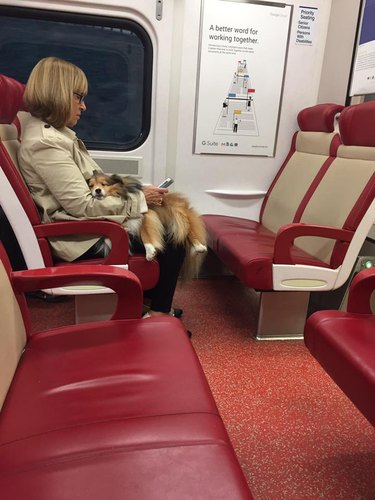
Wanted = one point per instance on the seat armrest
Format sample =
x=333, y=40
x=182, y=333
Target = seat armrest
x=123, y=282
x=111, y=230
x=289, y=232
x=360, y=291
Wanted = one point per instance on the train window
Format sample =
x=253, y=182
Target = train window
x=116, y=55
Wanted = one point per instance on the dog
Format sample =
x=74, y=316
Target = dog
x=174, y=221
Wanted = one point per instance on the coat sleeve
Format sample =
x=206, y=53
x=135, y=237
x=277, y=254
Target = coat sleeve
x=53, y=162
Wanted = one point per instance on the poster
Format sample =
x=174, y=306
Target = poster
x=363, y=78
x=242, y=59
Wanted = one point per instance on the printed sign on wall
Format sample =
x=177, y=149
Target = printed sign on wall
x=307, y=19
x=242, y=59
x=363, y=79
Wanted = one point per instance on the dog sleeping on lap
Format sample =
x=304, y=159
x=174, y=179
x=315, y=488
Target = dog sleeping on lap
x=175, y=220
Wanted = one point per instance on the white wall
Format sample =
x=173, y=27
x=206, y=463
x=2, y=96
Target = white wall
x=313, y=74
x=194, y=174
x=339, y=51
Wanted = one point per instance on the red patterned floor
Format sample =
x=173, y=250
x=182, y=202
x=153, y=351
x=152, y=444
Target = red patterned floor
x=296, y=434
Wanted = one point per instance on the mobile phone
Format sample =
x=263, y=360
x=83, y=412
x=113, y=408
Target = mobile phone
x=168, y=181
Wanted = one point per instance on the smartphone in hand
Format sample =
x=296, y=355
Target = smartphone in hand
x=166, y=183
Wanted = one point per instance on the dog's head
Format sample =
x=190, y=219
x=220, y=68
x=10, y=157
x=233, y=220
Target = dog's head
x=102, y=185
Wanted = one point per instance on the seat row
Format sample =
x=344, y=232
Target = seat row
x=32, y=235
x=325, y=190
x=343, y=342
x=114, y=409
x=313, y=220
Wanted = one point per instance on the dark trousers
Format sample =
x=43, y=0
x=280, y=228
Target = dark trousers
x=170, y=263
x=10, y=243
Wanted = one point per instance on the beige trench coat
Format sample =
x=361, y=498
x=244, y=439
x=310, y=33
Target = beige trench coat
x=56, y=167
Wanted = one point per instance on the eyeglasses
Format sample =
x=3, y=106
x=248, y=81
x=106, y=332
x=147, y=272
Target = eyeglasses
x=80, y=97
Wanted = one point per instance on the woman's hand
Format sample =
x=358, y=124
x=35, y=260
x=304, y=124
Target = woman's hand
x=154, y=195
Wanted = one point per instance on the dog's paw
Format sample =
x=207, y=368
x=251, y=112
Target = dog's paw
x=150, y=251
x=198, y=248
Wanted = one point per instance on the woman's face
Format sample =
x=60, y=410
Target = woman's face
x=78, y=105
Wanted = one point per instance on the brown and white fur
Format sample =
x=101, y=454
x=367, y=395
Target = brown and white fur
x=175, y=221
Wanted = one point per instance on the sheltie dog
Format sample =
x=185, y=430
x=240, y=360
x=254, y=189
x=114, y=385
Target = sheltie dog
x=174, y=221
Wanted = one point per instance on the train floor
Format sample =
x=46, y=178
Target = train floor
x=295, y=433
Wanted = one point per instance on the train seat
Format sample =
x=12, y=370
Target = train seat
x=32, y=235
x=312, y=150
x=343, y=342
x=114, y=409
x=313, y=220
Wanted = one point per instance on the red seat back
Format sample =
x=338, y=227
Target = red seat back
x=11, y=103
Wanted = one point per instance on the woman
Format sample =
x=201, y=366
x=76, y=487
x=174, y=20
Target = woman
x=56, y=167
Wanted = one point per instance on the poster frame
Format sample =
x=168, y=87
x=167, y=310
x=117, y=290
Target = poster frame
x=282, y=76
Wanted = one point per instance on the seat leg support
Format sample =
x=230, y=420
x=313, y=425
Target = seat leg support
x=282, y=315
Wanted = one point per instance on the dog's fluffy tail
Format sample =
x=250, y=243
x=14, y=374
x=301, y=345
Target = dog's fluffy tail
x=184, y=226
x=192, y=264
x=195, y=245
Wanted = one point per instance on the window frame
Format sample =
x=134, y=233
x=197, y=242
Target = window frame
x=107, y=22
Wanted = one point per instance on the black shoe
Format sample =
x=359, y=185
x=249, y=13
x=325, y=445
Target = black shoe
x=177, y=313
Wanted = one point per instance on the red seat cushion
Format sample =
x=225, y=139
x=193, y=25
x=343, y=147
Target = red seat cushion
x=344, y=344
x=247, y=249
x=181, y=471
x=218, y=225
x=99, y=373
x=115, y=409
